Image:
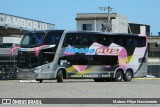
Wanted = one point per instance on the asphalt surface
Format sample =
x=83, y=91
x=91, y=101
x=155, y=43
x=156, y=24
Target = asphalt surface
x=137, y=88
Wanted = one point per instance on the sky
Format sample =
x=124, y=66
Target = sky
x=62, y=13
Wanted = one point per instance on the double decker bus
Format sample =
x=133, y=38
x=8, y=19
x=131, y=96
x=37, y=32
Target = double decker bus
x=59, y=54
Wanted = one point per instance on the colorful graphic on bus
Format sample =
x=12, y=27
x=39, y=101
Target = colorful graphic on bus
x=76, y=54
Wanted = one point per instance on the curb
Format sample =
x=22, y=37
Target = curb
x=146, y=78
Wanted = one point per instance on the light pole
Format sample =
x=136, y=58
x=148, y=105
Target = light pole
x=109, y=25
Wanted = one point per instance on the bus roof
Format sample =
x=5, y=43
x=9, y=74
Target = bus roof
x=90, y=32
x=108, y=33
x=45, y=31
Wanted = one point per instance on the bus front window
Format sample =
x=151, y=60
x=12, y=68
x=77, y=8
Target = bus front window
x=32, y=39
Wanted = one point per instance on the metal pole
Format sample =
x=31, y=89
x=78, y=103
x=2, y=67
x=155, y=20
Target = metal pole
x=109, y=9
x=108, y=19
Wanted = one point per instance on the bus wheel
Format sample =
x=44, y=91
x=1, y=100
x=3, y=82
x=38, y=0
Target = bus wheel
x=98, y=80
x=128, y=75
x=40, y=80
x=118, y=76
x=60, y=76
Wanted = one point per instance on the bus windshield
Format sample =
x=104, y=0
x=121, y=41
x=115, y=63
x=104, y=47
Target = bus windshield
x=32, y=39
x=35, y=39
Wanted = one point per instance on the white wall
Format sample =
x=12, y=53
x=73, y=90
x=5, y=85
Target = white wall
x=142, y=29
x=15, y=40
x=119, y=24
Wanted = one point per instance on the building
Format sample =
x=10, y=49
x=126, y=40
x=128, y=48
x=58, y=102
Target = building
x=118, y=23
x=139, y=29
x=11, y=25
x=98, y=22
x=11, y=30
x=154, y=56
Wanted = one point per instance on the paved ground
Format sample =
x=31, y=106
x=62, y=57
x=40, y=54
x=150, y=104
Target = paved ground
x=138, y=88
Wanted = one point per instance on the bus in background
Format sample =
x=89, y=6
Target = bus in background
x=58, y=54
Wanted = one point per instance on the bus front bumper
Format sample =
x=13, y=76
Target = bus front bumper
x=27, y=74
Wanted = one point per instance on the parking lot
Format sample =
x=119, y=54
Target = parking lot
x=81, y=89
x=137, y=88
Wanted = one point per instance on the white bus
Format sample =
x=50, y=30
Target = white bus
x=59, y=54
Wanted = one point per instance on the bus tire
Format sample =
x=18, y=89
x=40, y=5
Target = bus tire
x=40, y=80
x=59, y=76
x=98, y=80
x=118, y=75
x=128, y=75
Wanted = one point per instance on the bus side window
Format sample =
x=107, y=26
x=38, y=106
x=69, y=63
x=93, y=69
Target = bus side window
x=95, y=60
x=94, y=39
x=87, y=40
x=129, y=42
x=84, y=39
x=111, y=39
x=115, y=40
x=135, y=42
x=121, y=42
x=68, y=40
x=91, y=39
x=141, y=42
x=126, y=42
x=103, y=40
x=82, y=60
x=132, y=42
x=79, y=40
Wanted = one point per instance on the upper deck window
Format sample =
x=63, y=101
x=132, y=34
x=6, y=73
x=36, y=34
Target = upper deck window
x=79, y=39
x=35, y=39
x=52, y=38
x=32, y=39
